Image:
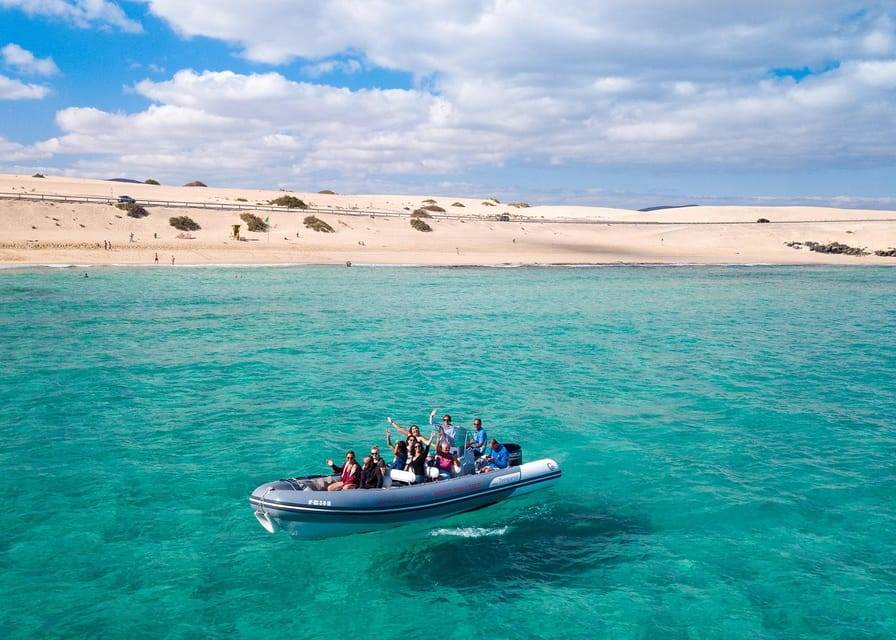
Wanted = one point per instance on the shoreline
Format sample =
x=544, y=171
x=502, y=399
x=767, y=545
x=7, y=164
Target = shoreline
x=458, y=232
x=12, y=266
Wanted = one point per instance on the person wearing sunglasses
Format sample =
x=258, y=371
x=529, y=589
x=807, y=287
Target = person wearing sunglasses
x=350, y=473
x=371, y=474
x=417, y=454
x=480, y=439
x=447, y=431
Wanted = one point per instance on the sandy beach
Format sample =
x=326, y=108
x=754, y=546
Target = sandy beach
x=375, y=229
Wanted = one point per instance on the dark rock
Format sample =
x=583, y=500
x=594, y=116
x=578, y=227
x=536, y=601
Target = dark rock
x=886, y=253
x=763, y=220
x=836, y=248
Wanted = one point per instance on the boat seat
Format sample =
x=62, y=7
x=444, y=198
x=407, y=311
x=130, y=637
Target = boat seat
x=398, y=475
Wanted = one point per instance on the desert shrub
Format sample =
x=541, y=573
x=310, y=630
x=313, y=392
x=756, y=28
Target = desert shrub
x=420, y=225
x=313, y=222
x=762, y=220
x=327, y=192
x=134, y=210
x=433, y=207
x=420, y=213
x=38, y=175
x=429, y=201
x=457, y=204
x=151, y=181
x=241, y=200
x=196, y=183
x=253, y=222
x=519, y=205
x=184, y=223
x=495, y=200
x=290, y=202
x=488, y=204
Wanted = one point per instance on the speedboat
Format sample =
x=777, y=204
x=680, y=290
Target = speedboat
x=304, y=508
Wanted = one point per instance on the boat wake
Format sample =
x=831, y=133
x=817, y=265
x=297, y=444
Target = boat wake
x=470, y=532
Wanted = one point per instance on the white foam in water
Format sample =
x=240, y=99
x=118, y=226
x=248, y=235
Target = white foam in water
x=470, y=532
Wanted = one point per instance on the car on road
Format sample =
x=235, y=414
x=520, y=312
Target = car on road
x=126, y=200
x=503, y=217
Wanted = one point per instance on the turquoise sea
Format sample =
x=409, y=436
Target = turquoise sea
x=728, y=439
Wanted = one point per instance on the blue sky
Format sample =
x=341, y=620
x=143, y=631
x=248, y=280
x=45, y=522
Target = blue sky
x=606, y=103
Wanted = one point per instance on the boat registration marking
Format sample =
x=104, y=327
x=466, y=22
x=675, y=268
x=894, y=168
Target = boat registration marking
x=321, y=503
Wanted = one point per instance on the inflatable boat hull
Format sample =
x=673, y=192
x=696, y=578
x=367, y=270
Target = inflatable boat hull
x=309, y=514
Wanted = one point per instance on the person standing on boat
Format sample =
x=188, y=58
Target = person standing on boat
x=350, y=473
x=447, y=430
x=498, y=457
x=480, y=439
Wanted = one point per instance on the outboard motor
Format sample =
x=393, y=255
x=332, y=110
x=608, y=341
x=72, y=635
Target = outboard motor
x=516, y=454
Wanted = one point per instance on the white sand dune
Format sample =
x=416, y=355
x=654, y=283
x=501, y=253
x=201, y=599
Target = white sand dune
x=44, y=232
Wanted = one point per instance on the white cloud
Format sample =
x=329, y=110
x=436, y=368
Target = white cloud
x=12, y=89
x=24, y=61
x=617, y=84
x=329, y=66
x=81, y=13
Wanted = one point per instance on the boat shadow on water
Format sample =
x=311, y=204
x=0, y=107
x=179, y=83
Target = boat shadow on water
x=554, y=544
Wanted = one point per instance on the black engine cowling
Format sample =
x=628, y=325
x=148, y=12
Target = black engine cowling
x=516, y=454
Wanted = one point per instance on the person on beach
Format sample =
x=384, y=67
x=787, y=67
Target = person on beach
x=172, y=261
x=417, y=459
x=350, y=473
x=498, y=457
x=480, y=438
x=371, y=474
x=157, y=257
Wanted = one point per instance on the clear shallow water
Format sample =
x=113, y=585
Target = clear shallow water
x=727, y=436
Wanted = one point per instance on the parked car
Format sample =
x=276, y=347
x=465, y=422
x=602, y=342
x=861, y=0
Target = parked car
x=503, y=217
x=126, y=200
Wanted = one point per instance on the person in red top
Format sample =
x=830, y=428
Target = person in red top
x=350, y=473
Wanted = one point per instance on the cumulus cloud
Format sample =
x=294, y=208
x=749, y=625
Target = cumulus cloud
x=81, y=13
x=24, y=61
x=12, y=89
x=615, y=84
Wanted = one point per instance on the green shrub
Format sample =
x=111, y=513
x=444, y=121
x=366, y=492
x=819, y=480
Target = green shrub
x=488, y=204
x=241, y=200
x=134, y=210
x=151, y=181
x=196, y=183
x=429, y=201
x=328, y=192
x=290, y=202
x=457, y=204
x=420, y=225
x=420, y=213
x=433, y=207
x=253, y=222
x=519, y=205
x=38, y=175
x=313, y=222
x=184, y=223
